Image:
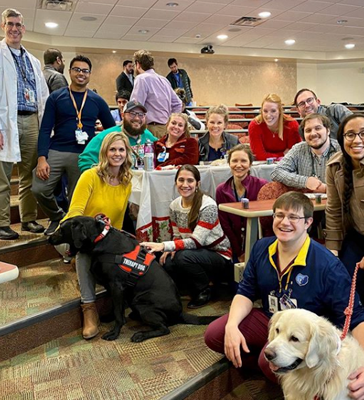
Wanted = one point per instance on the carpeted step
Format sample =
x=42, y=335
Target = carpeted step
x=14, y=210
x=28, y=249
x=41, y=305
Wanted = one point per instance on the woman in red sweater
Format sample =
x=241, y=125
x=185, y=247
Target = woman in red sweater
x=176, y=147
x=272, y=133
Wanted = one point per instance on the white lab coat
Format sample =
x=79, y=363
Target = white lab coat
x=9, y=102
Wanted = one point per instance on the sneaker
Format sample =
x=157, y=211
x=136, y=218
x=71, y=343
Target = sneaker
x=53, y=225
x=32, y=226
x=6, y=233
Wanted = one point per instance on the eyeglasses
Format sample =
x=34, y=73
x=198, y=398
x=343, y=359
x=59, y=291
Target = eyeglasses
x=308, y=101
x=83, y=70
x=350, y=136
x=11, y=25
x=136, y=114
x=291, y=217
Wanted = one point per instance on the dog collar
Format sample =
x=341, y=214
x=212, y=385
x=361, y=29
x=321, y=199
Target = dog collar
x=103, y=233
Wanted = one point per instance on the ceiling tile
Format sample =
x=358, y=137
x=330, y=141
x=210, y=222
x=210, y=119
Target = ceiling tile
x=282, y=4
x=94, y=8
x=236, y=11
x=135, y=12
x=192, y=16
x=136, y=3
x=161, y=14
x=128, y=21
x=293, y=16
x=150, y=23
x=199, y=6
x=312, y=6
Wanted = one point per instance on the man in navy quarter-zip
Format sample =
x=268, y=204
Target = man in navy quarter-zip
x=72, y=113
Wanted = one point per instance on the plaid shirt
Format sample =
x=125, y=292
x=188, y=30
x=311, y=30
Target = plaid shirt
x=26, y=80
x=300, y=163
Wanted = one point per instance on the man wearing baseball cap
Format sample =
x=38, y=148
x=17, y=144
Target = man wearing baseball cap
x=134, y=126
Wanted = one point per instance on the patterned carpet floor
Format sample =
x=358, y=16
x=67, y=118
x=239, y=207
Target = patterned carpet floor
x=38, y=288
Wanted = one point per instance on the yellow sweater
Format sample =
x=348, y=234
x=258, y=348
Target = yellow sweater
x=93, y=196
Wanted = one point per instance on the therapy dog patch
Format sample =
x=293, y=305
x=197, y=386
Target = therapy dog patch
x=137, y=262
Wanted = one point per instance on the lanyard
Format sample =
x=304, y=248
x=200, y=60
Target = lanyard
x=21, y=67
x=78, y=112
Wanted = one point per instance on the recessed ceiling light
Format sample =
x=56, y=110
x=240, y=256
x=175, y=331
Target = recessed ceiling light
x=197, y=36
x=350, y=45
x=114, y=51
x=222, y=37
x=88, y=18
x=172, y=4
x=143, y=31
x=341, y=21
x=276, y=59
x=289, y=42
x=264, y=14
x=51, y=25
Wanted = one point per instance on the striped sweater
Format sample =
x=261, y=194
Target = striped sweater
x=207, y=233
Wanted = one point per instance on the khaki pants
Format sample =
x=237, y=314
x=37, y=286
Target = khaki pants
x=28, y=128
x=157, y=130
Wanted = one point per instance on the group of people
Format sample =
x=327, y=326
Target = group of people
x=50, y=135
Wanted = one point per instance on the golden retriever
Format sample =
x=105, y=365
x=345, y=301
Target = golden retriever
x=307, y=354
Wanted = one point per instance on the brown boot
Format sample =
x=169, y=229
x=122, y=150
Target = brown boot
x=90, y=320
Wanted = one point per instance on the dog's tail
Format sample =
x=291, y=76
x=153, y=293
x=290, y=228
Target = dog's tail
x=197, y=319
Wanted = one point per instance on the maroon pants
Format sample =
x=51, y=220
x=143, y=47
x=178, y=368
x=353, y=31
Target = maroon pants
x=255, y=330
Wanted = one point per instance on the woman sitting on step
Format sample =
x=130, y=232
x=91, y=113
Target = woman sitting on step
x=104, y=189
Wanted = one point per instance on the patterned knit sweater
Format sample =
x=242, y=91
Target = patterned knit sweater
x=207, y=233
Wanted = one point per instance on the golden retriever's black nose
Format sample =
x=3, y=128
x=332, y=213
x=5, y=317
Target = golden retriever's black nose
x=269, y=354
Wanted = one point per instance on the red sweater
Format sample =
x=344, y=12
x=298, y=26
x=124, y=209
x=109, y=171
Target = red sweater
x=265, y=144
x=185, y=151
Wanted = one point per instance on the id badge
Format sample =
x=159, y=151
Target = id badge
x=81, y=136
x=163, y=156
x=287, y=303
x=29, y=95
x=273, y=303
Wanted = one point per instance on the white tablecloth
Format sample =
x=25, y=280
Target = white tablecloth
x=153, y=191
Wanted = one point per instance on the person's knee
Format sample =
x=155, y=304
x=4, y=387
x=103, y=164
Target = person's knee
x=214, y=336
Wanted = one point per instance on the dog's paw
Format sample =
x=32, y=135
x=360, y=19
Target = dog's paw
x=112, y=335
x=138, y=337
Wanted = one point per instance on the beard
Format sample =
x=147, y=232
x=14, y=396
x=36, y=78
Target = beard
x=132, y=131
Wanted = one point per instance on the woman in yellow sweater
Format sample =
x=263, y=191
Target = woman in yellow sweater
x=105, y=189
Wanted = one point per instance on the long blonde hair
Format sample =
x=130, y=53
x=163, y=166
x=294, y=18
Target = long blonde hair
x=274, y=98
x=102, y=167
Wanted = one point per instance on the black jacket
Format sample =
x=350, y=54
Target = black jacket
x=185, y=81
x=123, y=82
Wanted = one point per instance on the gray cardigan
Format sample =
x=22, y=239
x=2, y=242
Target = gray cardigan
x=203, y=143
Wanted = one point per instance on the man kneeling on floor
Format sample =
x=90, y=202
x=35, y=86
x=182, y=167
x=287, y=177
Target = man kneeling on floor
x=287, y=271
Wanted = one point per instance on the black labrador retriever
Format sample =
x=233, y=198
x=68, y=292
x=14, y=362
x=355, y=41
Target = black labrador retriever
x=132, y=275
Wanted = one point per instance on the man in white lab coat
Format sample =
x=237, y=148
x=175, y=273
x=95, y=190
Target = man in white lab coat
x=23, y=93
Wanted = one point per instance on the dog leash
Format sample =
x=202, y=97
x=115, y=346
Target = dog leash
x=348, y=311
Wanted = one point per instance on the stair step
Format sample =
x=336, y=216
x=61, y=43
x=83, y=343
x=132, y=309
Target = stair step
x=42, y=304
x=14, y=210
x=70, y=367
x=29, y=249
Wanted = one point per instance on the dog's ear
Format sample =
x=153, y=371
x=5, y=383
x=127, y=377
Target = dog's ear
x=323, y=341
x=272, y=323
x=78, y=234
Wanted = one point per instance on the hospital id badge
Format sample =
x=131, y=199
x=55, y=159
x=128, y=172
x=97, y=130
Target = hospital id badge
x=81, y=136
x=29, y=95
x=273, y=303
x=163, y=156
x=287, y=303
